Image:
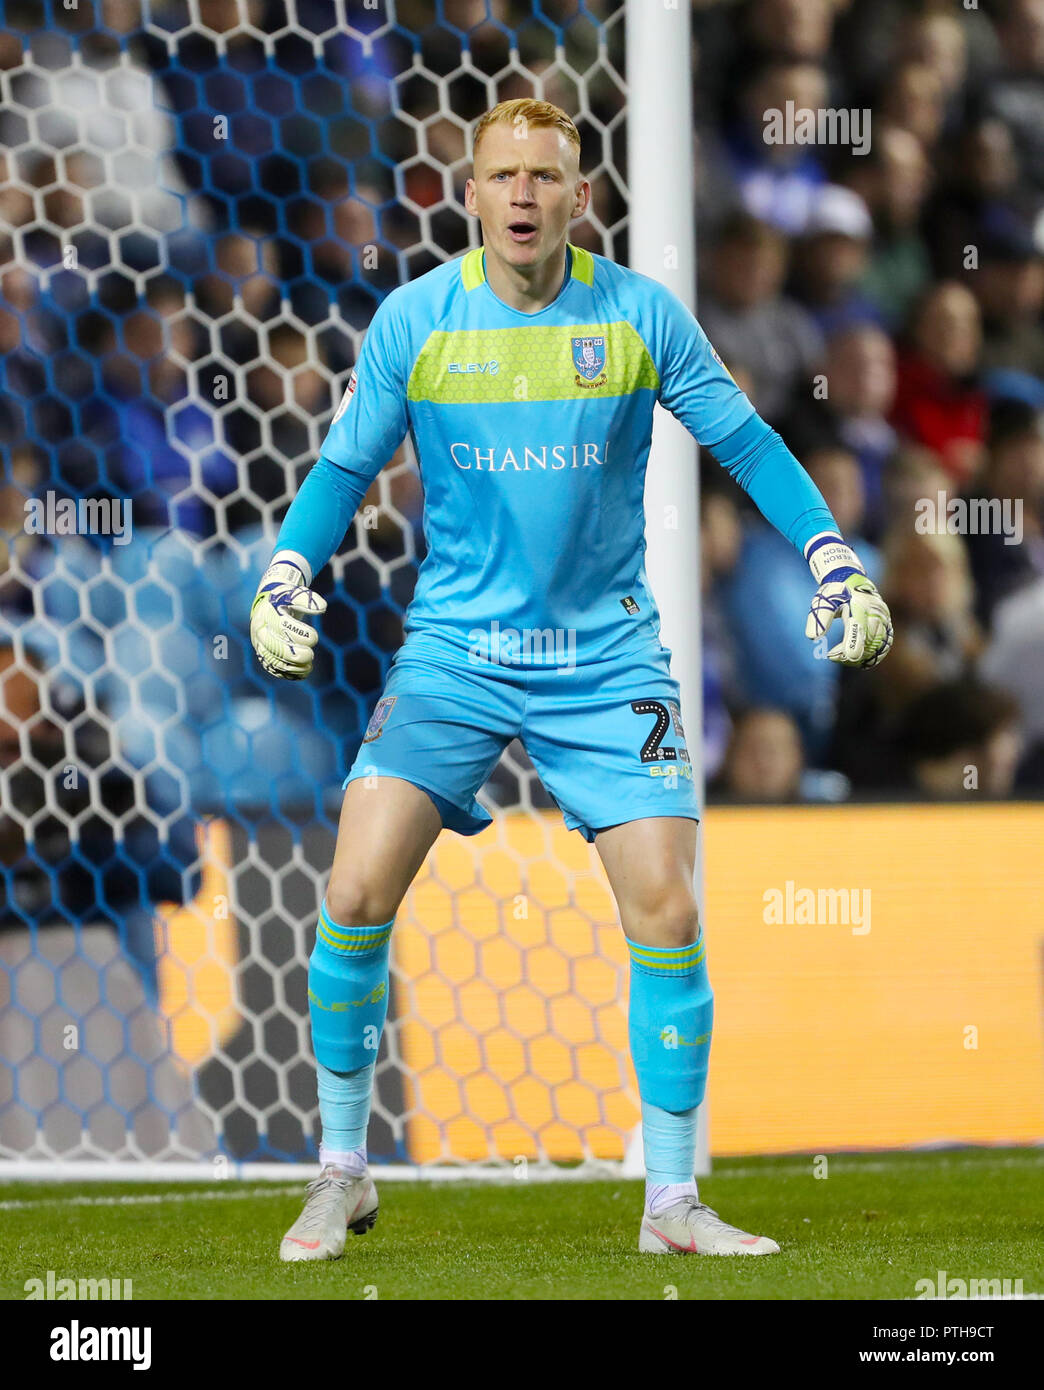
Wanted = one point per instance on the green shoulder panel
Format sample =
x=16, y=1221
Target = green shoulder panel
x=472, y=269
x=538, y=362
x=583, y=264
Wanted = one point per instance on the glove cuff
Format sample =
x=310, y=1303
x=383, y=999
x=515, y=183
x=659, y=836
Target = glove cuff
x=291, y=557
x=829, y=558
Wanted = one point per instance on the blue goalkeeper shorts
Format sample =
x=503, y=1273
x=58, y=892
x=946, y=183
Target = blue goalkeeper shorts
x=605, y=738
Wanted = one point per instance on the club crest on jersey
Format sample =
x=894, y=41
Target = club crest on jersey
x=379, y=718
x=353, y=382
x=589, y=357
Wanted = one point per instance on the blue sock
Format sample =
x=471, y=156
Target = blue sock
x=344, y=1113
x=347, y=1004
x=669, y=1024
x=669, y=1142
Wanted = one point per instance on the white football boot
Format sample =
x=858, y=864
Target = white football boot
x=688, y=1227
x=337, y=1202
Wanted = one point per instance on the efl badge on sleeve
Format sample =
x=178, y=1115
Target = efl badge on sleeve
x=589, y=358
x=379, y=718
x=353, y=382
x=717, y=357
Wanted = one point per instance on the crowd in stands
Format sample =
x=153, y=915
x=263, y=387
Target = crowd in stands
x=882, y=303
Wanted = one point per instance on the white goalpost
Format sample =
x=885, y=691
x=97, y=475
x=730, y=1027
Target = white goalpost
x=663, y=246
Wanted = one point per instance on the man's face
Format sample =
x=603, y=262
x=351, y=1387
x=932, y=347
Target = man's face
x=525, y=191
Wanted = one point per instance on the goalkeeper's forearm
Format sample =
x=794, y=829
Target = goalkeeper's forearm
x=786, y=496
x=773, y=479
x=319, y=515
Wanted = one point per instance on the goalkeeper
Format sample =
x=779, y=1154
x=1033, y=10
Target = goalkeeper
x=527, y=372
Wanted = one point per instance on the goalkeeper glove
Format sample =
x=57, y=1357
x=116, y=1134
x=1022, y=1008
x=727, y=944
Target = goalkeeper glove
x=845, y=591
x=281, y=638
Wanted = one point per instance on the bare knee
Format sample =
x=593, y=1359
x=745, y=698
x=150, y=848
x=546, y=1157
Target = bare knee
x=353, y=901
x=672, y=923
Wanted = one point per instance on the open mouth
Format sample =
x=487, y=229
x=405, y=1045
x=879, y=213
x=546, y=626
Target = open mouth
x=521, y=232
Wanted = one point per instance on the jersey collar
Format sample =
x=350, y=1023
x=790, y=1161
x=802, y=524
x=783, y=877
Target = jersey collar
x=580, y=266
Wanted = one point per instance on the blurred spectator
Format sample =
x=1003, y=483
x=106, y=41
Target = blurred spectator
x=980, y=174
x=939, y=401
x=1016, y=93
x=836, y=472
x=861, y=383
x=795, y=30
x=936, y=40
x=873, y=36
x=765, y=760
x=893, y=179
x=749, y=321
x=831, y=259
x=775, y=182
x=913, y=474
x=1014, y=475
x=959, y=740
x=914, y=99
x=931, y=596
x=927, y=580
x=1009, y=285
x=1014, y=661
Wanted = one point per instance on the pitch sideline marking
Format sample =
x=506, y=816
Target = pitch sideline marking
x=233, y=1194
x=150, y=1198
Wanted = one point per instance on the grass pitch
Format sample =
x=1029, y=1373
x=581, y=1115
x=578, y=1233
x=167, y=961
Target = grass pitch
x=869, y=1230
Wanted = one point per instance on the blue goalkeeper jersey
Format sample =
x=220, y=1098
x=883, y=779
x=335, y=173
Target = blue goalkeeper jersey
x=532, y=433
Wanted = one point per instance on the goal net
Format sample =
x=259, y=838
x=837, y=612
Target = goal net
x=203, y=203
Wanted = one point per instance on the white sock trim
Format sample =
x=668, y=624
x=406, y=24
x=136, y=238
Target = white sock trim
x=660, y=1195
x=354, y=1160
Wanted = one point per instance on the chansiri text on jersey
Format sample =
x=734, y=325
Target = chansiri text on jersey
x=553, y=457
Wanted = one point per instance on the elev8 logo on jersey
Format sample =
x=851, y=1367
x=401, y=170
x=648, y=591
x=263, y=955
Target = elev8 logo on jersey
x=467, y=368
